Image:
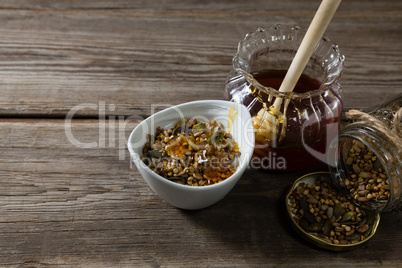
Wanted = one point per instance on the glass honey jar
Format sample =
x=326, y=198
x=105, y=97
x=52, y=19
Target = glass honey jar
x=312, y=111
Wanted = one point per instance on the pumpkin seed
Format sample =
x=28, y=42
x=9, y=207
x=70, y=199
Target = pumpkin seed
x=155, y=154
x=347, y=216
x=338, y=210
x=316, y=227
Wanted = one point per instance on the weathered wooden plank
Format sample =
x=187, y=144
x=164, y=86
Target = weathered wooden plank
x=65, y=205
x=54, y=56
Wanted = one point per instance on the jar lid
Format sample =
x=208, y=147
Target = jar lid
x=324, y=217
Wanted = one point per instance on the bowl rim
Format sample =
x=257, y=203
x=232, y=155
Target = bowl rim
x=242, y=164
x=312, y=238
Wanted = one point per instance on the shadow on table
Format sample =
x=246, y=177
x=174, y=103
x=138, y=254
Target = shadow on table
x=252, y=217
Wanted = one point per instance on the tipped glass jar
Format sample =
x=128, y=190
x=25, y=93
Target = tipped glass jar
x=365, y=160
x=312, y=112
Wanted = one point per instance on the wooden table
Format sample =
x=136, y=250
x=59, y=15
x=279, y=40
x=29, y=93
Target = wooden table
x=69, y=195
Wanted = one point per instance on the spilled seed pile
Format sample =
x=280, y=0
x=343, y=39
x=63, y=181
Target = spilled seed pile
x=320, y=210
x=192, y=153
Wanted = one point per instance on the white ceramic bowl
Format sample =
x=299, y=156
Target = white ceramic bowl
x=195, y=197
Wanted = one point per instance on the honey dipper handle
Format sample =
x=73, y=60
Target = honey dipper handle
x=313, y=35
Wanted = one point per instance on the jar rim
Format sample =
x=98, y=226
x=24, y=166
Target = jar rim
x=286, y=95
x=332, y=62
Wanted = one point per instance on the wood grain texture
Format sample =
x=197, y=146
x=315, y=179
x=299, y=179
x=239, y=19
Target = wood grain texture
x=109, y=64
x=55, y=55
x=69, y=206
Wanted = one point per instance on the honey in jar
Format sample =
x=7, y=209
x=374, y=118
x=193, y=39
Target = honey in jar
x=313, y=110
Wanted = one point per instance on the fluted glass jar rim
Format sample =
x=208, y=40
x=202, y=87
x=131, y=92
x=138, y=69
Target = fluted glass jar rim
x=256, y=43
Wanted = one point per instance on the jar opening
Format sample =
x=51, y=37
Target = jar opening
x=274, y=48
x=274, y=92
